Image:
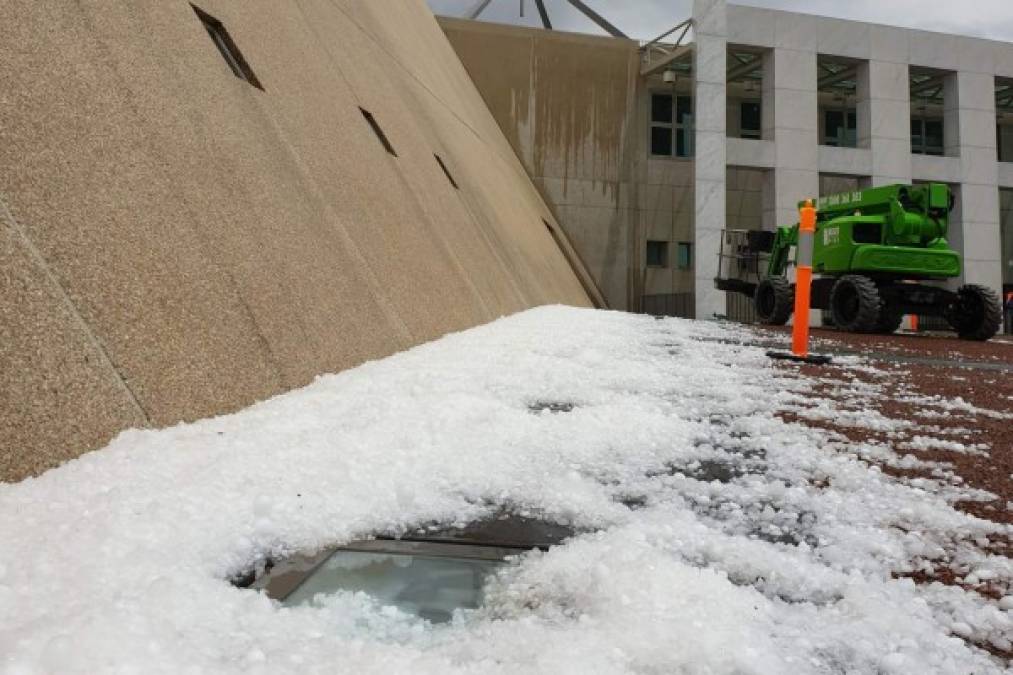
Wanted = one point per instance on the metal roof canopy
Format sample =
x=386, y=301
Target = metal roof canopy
x=543, y=13
x=927, y=85
x=837, y=75
x=668, y=53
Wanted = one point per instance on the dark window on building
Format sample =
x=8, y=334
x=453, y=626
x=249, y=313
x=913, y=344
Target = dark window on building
x=657, y=254
x=684, y=255
x=446, y=171
x=661, y=108
x=230, y=52
x=926, y=136
x=378, y=131
x=749, y=119
x=671, y=125
x=840, y=128
x=661, y=141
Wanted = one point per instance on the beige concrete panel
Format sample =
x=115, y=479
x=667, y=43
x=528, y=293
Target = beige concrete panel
x=223, y=244
x=52, y=369
x=656, y=225
x=563, y=99
x=89, y=181
x=504, y=83
x=472, y=249
x=560, y=191
x=675, y=172
x=661, y=280
x=601, y=237
x=406, y=249
x=424, y=54
x=656, y=197
x=683, y=202
x=600, y=193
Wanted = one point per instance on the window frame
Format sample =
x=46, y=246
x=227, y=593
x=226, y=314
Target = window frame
x=752, y=134
x=679, y=248
x=676, y=127
x=664, y=254
x=848, y=115
x=922, y=148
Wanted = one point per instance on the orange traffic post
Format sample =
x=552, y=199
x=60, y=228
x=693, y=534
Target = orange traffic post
x=803, y=280
x=803, y=289
x=914, y=323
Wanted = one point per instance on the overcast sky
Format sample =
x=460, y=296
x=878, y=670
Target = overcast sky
x=645, y=19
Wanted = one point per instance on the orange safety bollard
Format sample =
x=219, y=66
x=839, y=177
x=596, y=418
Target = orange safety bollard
x=914, y=323
x=803, y=290
x=803, y=280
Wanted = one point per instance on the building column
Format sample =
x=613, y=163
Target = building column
x=709, y=68
x=791, y=120
x=884, y=120
x=972, y=99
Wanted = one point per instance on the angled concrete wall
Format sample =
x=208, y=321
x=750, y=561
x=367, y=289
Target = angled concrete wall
x=175, y=243
x=568, y=105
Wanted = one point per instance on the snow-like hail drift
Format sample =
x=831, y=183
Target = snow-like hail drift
x=715, y=537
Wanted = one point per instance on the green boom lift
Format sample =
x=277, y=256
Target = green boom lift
x=873, y=249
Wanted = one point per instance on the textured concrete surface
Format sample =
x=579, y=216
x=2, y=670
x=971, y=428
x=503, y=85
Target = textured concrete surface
x=175, y=243
x=568, y=105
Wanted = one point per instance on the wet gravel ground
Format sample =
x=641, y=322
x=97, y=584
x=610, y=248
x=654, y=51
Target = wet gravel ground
x=907, y=383
x=934, y=345
x=964, y=398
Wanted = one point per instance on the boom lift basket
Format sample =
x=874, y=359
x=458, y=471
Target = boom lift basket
x=742, y=259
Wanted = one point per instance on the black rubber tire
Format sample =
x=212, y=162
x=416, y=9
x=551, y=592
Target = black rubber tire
x=977, y=314
x=855, y=304
x=890, y=320
x=774, y=301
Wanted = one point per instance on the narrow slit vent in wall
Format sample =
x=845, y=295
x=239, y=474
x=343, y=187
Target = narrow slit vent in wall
x=227, y=46
x=378, y=131
x=446, y=171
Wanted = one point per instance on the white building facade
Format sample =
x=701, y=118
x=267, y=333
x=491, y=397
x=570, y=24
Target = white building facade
x=647, y=151
x=914, y=106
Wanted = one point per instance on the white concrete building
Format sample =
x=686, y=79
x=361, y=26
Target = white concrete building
x=646, y=151
x=960, y=78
